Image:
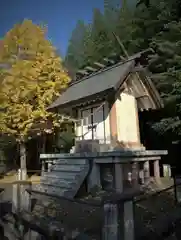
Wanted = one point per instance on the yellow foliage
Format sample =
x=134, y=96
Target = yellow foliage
x=33, y=77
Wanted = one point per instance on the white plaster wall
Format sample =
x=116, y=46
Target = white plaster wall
x=127, y=118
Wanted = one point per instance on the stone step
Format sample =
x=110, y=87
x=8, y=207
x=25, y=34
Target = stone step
x=61, y=175
x=61, y=156
x=65, y=179
x=59, y=191
x=70, y=161
x=55, y=182
x=67, y=168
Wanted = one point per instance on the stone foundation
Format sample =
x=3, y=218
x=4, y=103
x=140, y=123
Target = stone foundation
x=94, y=146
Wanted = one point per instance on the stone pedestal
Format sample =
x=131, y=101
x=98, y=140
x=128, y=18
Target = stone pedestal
x=94, y=178
x=146, y=169
x=87, y=146
x=118, y=220
x=118, y=177
x=135, y=174
x=141, y=173
x=156, y=169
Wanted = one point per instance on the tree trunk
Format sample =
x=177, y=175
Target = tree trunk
x=43, y=149
x=23, y=161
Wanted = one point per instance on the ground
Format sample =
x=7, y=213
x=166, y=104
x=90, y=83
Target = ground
x=88, y=218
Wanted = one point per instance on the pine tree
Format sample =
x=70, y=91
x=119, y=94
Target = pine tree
x=99, y=44
x=97, y=40
x=32, y=77
x=75, y=55
x=125, y=28
x=158, y=27
x=165, y=65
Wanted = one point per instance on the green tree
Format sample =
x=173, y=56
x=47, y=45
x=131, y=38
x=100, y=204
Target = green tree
x=165, y=65
x=158, y=26
x=93, y=42
x=99, y=45
x=75, y=54
x=32, y=78
x=124, y=29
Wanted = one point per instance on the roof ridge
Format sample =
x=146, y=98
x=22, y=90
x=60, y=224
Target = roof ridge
x=101, y=70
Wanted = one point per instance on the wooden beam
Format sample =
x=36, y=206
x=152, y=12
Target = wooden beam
x=141, y=96
x=122, y=58
x=121, y=45
x=116, y=57
x=108, y=60
x=91, y=69
x=99, y=64
x=83, y=72
x=113, y=55
x=138, y=69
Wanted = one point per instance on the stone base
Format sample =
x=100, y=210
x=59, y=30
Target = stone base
x=95, y=146
x=87, y=146
x=128, y=146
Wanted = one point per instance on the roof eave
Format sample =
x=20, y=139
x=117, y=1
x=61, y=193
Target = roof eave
x=152, y=89
x=73, y=103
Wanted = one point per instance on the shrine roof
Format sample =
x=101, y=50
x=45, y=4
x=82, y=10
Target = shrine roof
x=108, y=79
x=98, y=83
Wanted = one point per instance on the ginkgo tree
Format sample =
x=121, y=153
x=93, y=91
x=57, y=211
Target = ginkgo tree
x=32, y=75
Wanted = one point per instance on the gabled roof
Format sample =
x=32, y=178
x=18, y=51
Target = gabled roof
x=103, y=81
x=97, y=83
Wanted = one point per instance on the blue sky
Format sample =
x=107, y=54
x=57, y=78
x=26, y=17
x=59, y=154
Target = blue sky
x=60, y=15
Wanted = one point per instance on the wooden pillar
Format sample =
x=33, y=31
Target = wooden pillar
x=113, y=121
x=137, y=124
x=156, y=169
